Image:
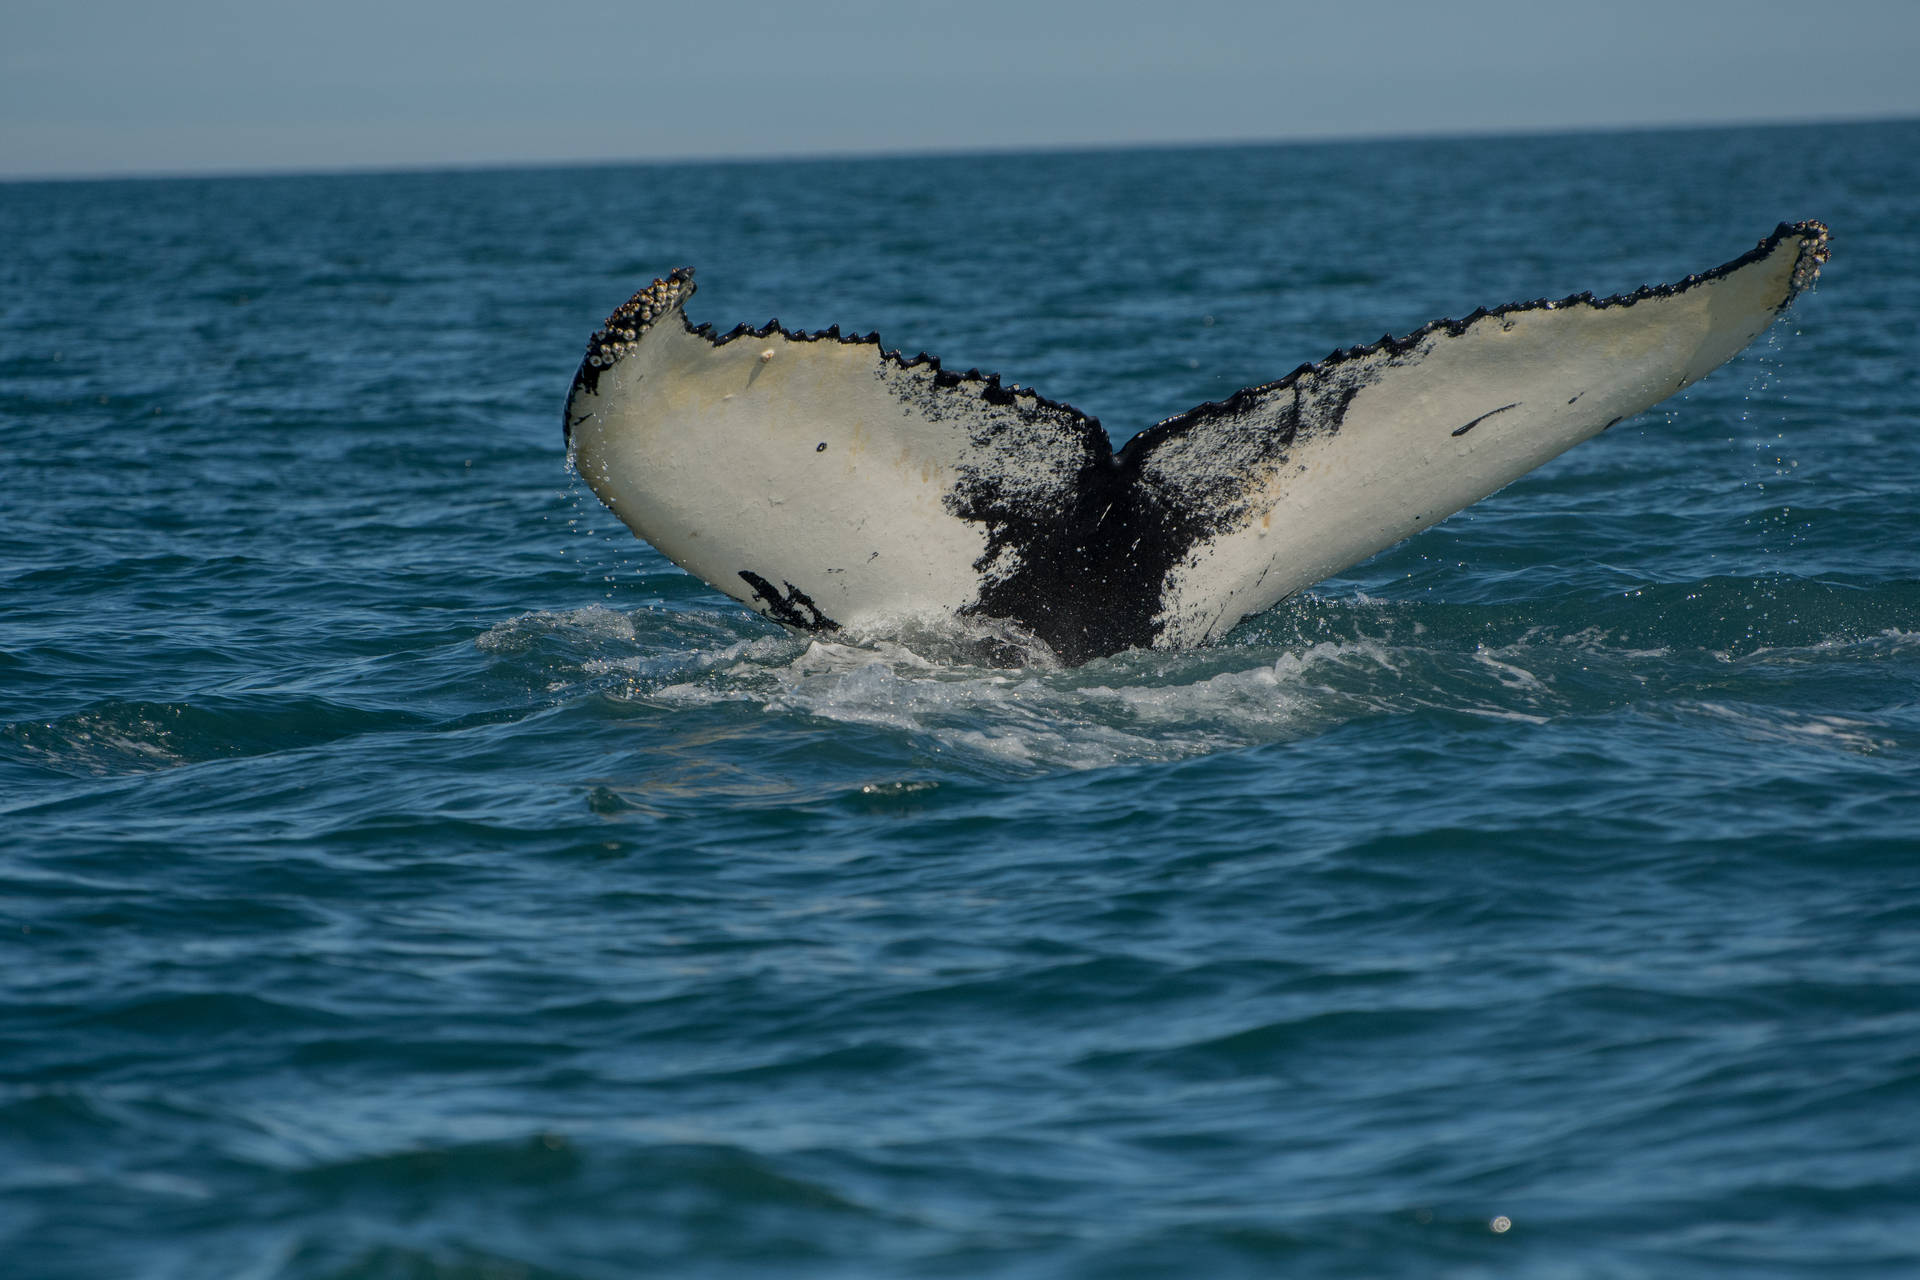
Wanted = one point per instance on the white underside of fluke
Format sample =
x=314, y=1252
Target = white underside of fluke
x=790, y=460
x=831, y=485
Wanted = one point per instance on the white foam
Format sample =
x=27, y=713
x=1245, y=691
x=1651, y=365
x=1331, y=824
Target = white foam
x=1775, y=724
x=595, y=622
x=936, y=686
x=1145, y=707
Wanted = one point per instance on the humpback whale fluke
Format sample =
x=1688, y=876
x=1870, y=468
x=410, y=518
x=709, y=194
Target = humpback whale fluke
x=830, y=484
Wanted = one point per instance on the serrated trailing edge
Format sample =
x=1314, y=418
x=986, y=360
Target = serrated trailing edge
x=1806, y=270
x=669, y=294
x=623, y=330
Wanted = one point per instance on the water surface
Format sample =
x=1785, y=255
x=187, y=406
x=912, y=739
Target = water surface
x=408, y=873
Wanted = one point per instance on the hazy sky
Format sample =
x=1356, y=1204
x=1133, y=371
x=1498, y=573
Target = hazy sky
x=128, y=86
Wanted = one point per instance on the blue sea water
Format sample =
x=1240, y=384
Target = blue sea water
x=404, y=872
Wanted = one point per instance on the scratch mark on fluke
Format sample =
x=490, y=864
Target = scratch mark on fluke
x=993, y=501
x=1462, y=430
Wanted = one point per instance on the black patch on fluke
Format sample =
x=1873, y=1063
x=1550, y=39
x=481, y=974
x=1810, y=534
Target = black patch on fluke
x=793, y=607
x=1089, y=575
x=1086, y=571
x=1086, y=578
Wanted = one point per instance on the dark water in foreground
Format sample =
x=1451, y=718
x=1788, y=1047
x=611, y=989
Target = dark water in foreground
x=405, y=873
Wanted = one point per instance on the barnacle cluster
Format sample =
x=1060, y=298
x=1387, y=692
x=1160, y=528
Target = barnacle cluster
x=1813, y=255
x=625, y=327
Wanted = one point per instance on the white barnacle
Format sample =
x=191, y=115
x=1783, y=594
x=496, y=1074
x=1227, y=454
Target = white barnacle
x=766, y=355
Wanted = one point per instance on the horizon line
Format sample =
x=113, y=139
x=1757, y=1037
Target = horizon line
x=935, y=152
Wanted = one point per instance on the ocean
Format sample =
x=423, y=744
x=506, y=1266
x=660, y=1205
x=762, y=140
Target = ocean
x=406, y=872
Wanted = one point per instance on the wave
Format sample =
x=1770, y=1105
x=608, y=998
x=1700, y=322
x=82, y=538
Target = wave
x=989, y=695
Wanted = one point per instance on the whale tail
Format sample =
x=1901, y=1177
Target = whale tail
x=829, y=484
